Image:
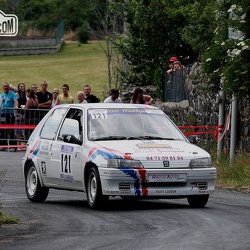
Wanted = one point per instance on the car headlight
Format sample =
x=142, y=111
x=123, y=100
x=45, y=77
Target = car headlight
x=124, y=163
x=205, y=162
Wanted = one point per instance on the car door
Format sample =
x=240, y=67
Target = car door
x=66, y=152
x=48, y=134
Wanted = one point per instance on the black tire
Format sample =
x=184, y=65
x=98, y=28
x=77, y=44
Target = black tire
x=34, y=191
x=96, y=199
x=198, y=201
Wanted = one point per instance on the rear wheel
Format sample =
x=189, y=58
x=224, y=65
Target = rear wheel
x=34, y=191
x=94, y=190
x=198, y=200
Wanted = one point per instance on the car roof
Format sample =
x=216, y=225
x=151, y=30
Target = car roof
x=107, y=105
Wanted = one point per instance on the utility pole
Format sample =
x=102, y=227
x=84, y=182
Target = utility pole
x=221, y=101
x=233, y=127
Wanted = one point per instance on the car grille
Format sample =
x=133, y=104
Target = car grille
x=201, y=185
x=124, y=186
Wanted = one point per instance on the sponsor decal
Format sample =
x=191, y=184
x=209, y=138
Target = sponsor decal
x=67, y=177
x=67, y=149
x=43, y=167
x=117, y=192
x=152, y=145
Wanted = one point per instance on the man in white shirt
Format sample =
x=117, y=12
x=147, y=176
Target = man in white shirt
x=114, y=97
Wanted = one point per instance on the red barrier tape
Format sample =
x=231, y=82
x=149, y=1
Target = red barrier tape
x=186, y=133
x=16, y=126
x=13, y=146
x=188, y=127
x=212, y=129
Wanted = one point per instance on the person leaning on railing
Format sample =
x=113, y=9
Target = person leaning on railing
x=44, y=98
x=9, y=108
x=22, y=99
x=31, y=114
x=139, y=98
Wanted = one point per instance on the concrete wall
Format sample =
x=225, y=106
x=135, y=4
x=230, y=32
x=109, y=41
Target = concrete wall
x=12, y=46
x=30, y=50
x=25, y=42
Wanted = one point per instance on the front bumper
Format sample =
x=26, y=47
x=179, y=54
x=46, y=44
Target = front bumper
x=157, y=182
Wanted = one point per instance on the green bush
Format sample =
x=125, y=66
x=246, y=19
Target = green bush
x=83, y=34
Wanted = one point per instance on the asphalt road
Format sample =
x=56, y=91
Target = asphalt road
x=65, y=222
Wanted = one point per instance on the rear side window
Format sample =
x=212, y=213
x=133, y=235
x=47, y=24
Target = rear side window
x=50, y=127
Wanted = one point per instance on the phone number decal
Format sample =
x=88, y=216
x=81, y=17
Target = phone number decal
x=164, y=158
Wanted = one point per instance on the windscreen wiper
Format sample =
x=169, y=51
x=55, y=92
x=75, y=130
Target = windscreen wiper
x=148, y=137
x=112, y=138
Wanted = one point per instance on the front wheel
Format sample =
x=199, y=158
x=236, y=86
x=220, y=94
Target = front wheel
x=198, y=201
x=94, y=190
x=34, y=191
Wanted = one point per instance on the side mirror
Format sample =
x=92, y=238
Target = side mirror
x=71, y=139
x=193, y=139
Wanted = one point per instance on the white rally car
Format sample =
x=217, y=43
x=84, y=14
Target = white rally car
x=127, y=150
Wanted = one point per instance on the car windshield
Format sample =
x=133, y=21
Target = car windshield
x=131, y=124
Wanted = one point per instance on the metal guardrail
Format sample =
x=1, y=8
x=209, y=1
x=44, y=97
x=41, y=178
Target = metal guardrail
x=16, y=127
x=15, y=134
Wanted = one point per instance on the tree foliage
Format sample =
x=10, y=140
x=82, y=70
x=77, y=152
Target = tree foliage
x=46, y=14
x=223, y=57
x=146, y=33
x=152, y=35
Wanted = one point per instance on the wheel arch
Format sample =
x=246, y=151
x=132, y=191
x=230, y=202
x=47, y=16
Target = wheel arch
x=86, y=170
x=27, y=163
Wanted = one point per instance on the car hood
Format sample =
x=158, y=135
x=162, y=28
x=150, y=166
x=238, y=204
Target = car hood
x=177, y=153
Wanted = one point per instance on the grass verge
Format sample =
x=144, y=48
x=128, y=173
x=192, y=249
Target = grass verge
x=4, y=219
x=234, y=175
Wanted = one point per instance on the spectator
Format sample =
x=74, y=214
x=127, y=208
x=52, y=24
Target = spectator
x=13, y=89
x=81, y=98
x=44, y=98
x=34, y=87
x=8, y=110
x=171, y=63
x=31, y=107
x=65, y=97
x=55, y=93
x=114, y=97
x=139, y=98
x=88, y=96
x=21, y=95
x=177, y=65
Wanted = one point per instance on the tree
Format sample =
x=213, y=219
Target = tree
x=223, y=56
x=105, y=25
x=153, y=36
x=46, y=14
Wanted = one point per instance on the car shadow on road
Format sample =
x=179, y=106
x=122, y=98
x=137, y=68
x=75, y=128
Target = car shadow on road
x=117, y=204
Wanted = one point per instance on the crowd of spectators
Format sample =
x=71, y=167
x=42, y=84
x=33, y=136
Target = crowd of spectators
x=27, y=106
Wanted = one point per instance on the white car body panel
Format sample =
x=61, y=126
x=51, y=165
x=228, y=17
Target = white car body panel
x=62, y=165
